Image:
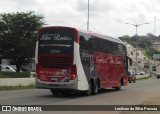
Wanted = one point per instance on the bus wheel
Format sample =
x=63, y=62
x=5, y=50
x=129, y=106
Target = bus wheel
x=119, y=86
x=54, y=92
x=95, y=88
x=134, y=81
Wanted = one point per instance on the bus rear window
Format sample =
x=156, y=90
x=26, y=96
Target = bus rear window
x=56, y=41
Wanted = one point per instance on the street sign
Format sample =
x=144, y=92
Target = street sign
x=156, y=56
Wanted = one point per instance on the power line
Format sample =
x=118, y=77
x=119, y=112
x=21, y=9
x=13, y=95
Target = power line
x=82, y=25
x=88, y=18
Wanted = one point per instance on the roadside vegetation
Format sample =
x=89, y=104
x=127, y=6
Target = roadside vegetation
x=6, y=88
x=149, y=52
x=14, y=74
x=18, y=36
x=144, y=43
x=151, y=75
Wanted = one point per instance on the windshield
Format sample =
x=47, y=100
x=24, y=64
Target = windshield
x=56, y=41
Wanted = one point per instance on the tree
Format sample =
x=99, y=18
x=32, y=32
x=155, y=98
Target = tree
x=150, y=51
x=142, y=41
x=18, y=36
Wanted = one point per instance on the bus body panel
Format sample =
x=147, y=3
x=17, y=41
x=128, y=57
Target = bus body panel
x=55, y=60
x=104, y=67
x=82, y=79
x=108, y=69
x=103, y=60
x=36, y=53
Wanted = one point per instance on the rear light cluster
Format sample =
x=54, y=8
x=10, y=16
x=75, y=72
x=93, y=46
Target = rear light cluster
x=72, y=76
x=74, y=72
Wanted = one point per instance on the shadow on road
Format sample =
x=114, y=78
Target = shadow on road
x=79, y=94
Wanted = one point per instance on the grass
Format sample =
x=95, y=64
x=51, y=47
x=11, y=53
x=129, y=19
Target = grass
x=14, y=74
x=6, y=88
x=147, y=77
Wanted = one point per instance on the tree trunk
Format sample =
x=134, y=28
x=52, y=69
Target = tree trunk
x=18, y=65
x=18, y=68
x=0, y=62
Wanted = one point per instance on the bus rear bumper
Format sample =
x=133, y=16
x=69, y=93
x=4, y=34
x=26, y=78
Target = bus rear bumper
x=56, y=85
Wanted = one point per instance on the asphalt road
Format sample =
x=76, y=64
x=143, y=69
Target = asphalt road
x=134, y=93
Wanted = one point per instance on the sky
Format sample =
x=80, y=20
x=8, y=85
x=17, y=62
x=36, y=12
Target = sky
x=107, y=17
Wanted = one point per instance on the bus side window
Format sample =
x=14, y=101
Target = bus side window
x=107, y=47
x=115, y=48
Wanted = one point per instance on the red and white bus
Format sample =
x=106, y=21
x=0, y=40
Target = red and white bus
x=69, y=59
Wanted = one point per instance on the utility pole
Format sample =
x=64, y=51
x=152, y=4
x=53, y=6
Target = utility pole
x=88, y=18
x=136, y=25
x=154, y=26
x=0, y=62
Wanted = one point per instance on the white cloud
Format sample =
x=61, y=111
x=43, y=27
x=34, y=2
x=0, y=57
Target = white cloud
x=106, y=16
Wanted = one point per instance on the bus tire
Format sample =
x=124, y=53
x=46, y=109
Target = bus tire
x=95, y=88
x=54, y=92
x=134, y=81
x=119, y=86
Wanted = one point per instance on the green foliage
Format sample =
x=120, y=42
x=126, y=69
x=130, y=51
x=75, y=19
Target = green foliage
x=129, y=39
x=18, y=36
x=151, y=75
x=150, y=51
x=141, y=41
x=144, y=42
x=14, y=74
x=6, y=88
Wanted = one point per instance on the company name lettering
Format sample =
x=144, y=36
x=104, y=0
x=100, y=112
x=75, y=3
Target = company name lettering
x=54, y=37
x=107, y=60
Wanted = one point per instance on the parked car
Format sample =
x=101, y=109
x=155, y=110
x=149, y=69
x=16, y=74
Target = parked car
x=154, y=68
x=158, y=76
x=7, y=68
x=131, y=77
x=140, y=73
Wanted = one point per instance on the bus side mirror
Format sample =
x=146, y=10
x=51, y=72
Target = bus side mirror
x=130, y=60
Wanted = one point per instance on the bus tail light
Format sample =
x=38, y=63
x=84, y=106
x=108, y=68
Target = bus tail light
x=74, y=72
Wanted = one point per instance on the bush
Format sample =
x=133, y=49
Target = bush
x=14, y=74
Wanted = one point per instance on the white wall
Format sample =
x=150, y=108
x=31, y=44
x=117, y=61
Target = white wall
x=16, y=81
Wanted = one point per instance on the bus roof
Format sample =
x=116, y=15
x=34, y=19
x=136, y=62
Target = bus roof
x=101, y=36
x=88, y=32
